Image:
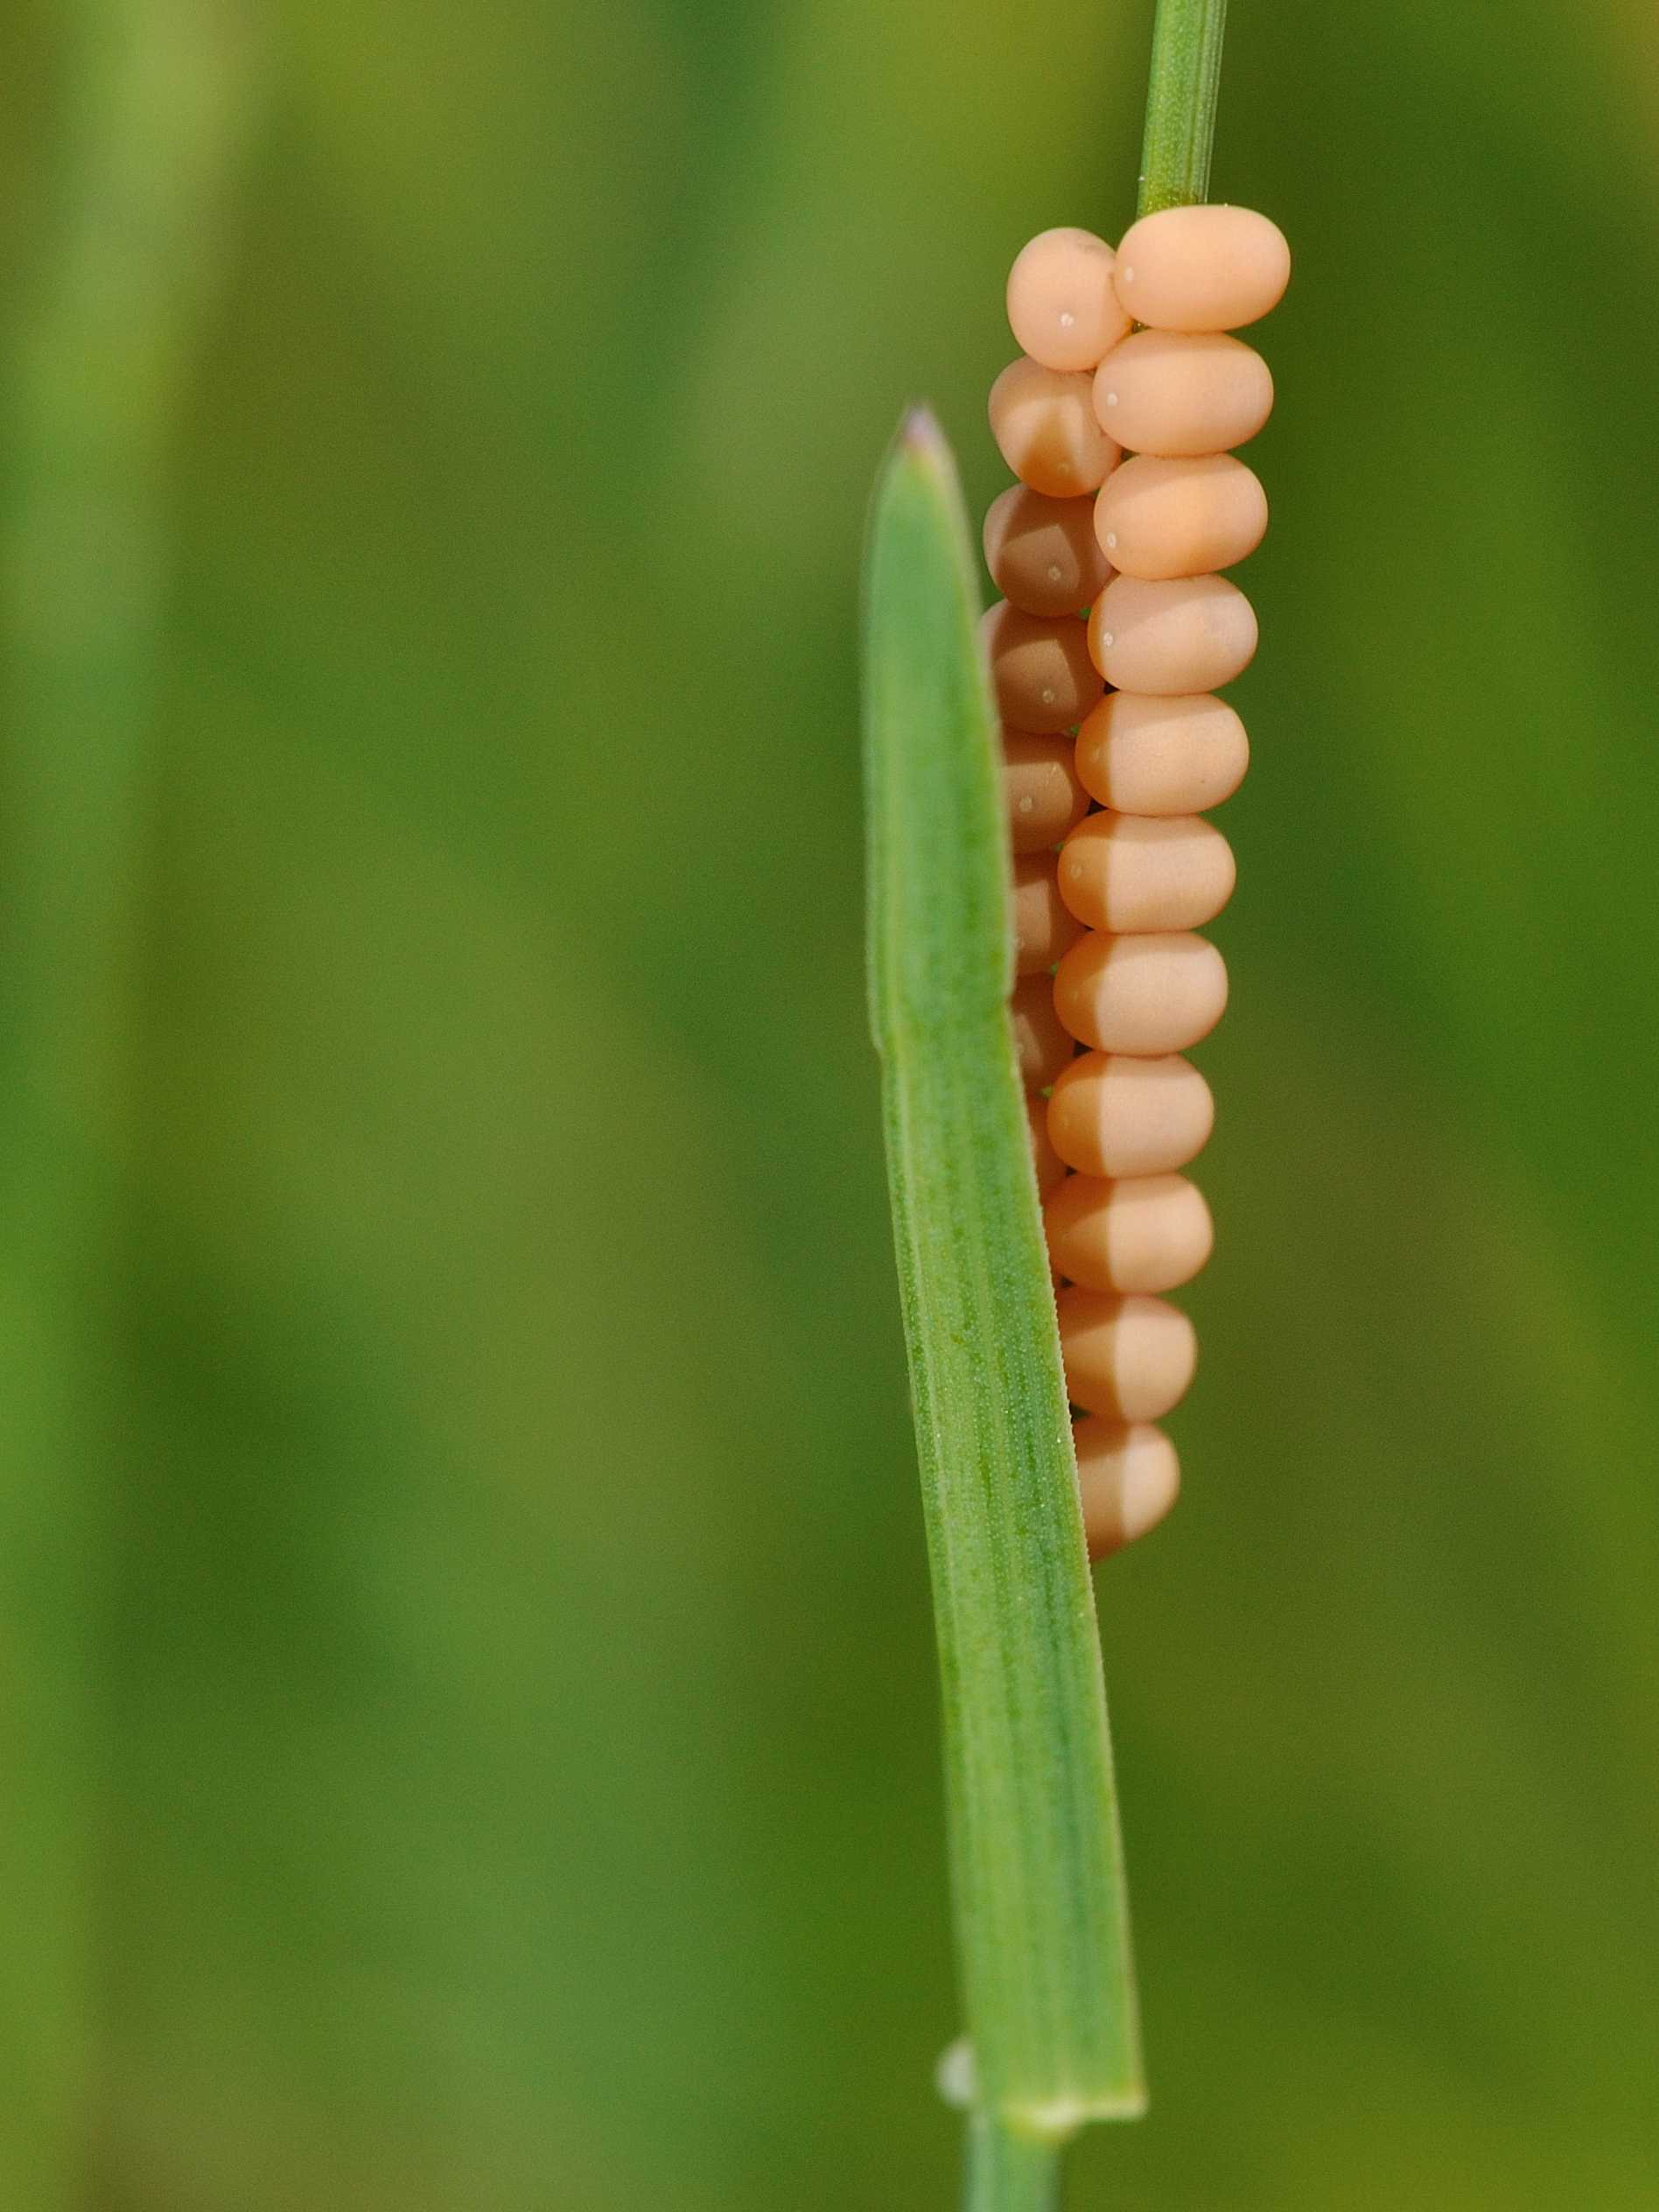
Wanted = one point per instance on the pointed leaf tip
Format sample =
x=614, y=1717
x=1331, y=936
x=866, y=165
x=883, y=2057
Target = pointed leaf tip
x=922, y=439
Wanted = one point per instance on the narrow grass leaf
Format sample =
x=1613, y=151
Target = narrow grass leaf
x=1041, y=1920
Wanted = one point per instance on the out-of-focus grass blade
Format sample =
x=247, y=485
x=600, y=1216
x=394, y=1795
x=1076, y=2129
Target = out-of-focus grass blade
x=1041, y=1920
x=96, y=366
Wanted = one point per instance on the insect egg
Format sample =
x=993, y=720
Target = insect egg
x=1044, y=424
x=1041, y=671
x=1131, y=1358
x=1201, y=268
x=1133, y=872
x=1045, y=798
x=1161, y=516
x=1180, y=754
x=1113, y=915
x=1128, y=1478
x=1153, y=994
x=1044, y=554
x=1044, y=1047
x=1061, y=306
x=1114, y=1115
x=1168, y=392
x=1184, y=634
x=1043, y=926
x=1151, y=1233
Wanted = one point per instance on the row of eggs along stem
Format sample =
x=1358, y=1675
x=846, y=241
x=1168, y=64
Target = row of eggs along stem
x=1115, y=630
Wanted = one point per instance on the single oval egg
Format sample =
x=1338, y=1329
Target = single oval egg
x=1130, y=1358
x=1128, y=1478
x=1040, y=784
x=1201, y=268
x=1142, y=754
x=1189, y=634
x=1040, y=671
x=1110, y=1114
x=1043, y=926
x=1167, y=392
x=1044, y=1047
x=1061, y=306
x=1046, y=429
x=1043, y=554
x=1150, y=1233
x=1131, y=872
x=1141, y=995
x=1157, y=515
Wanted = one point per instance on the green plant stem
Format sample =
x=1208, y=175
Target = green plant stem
x=1183, y=85
x=1011, y=2172
x=95, y=378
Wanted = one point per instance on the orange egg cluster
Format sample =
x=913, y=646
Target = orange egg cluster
x=1115, y=629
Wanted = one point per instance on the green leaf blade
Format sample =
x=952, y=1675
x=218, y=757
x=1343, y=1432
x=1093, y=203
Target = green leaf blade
x=1041, y=1919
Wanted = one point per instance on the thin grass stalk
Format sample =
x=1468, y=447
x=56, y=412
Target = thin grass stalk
x=1009, y=2171
x=1183, y=88
x=97, y=364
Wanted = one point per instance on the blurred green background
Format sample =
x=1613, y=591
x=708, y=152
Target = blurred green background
x=469, y=1723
